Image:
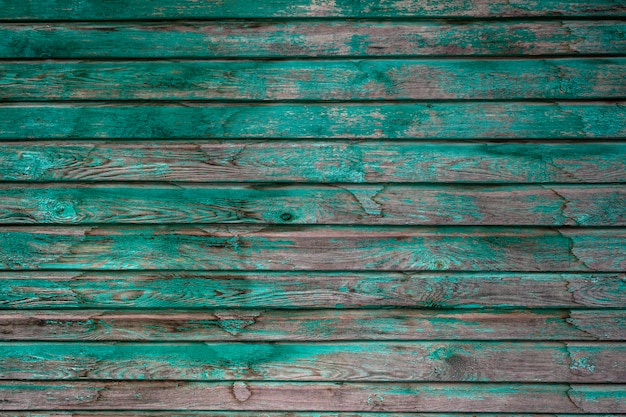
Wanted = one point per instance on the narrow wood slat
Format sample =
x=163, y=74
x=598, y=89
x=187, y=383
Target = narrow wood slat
x=345, y=204
x=277, y=396
x=346, y=361
x=189, y=289
x=312, y=325
x=181, y=9
x=312, y=248
x=272, y=39
x=272, y=414
x=483, y=79
x=476, y=120
x=326, y=162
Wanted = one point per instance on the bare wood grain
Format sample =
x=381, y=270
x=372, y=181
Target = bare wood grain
x=275, y=396
x=556, y=362
x=312, y=325
x=295, y=290
x=314, y=161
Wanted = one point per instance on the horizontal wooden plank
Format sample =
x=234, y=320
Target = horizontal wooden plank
x=184, y=120
x=276, y=396
x=271, y=39
x=580, y=362
x=180, y=9
x=238, y=247
x=348, y=162
x=331, y=204
x=483, y=79
x=271, y=414
x=311, y=325
x=41, y=290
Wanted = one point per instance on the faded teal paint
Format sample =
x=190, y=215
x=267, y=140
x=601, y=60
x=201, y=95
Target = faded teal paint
x=179, y=9
x=207, y=320
x=561, y=120
x=325, y=162
x=497, y=79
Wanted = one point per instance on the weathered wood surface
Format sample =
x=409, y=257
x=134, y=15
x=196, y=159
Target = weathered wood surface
x=312, y=325
x=238, y=247
x=484, y=79
x=314, y=204
x=293, y=9
x=346, y=361
x=306, y=38
x=188, y=120
x=315, y=161
x=287, y=396
x=293, y=290
x=273, y=414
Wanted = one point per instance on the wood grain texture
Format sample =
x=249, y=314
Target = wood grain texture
x=333, y=204
x=138, y=413
x=180, y=9
x=312, y=248
x=484, y=79
x=315, y=161
x=188, y=120
x=294, y=290
x=306, y=38
x=343, y=396
x=580, y=362
x=312, y=325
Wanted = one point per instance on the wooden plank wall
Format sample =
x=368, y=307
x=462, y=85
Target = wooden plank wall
x=312, y=208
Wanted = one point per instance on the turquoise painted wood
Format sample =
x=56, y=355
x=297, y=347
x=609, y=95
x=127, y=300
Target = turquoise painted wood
x=310, y=38
x=177, y=9
x=439, y=120
x=552, y=79
x=312, y=208
x=581, y=362
x=216, y=247
x=306, y=204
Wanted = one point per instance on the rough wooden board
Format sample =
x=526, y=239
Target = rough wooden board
x=188, y=120
x=180, y=9
x=315, y=161
x=294, y=290
x=482, y=79
x=483, y=361
x=312, y=325
x=305, y=38
x=333, y=204
x=271, y=414
x=236, y=247
x=276, y=396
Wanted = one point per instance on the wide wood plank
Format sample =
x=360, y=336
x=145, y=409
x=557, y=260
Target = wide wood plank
x=308, y=161
x=331, y=204
x=272, y=39
x=180, y=9
x=234, y=247
x=346, y=361
x=483, y=79
x=312, y=325
x=344, y=396
x=185, y=120
x=189, y=289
